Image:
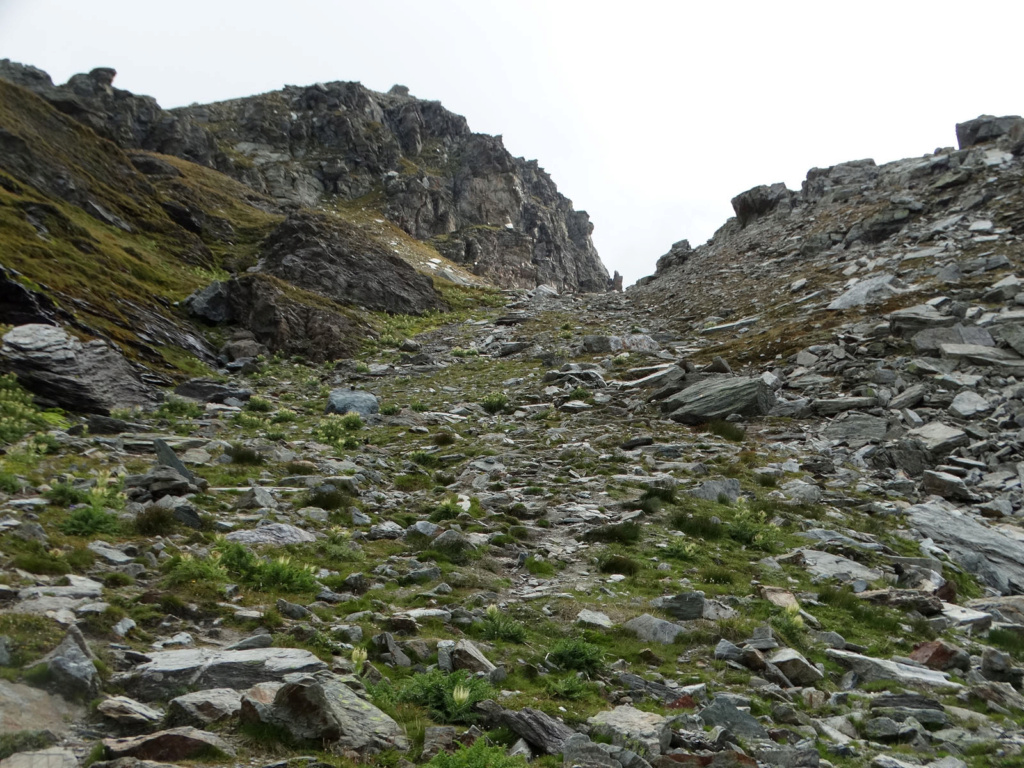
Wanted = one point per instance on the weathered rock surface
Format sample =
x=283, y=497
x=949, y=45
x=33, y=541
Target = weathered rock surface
x=174, y=744
x=60, y=370
x=321, y=708
x=170, y=671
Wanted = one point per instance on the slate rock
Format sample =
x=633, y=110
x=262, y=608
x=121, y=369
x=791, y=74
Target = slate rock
x=992, y=554
x=795, y=667
x=71, y=668
x=654, y=630
x=320, y=708
x=61, y=371
x=184, y=743
x=717, y=398
x=645, y=732
x=170, y=671
x=541, y=731
x=276, y=534
x=201, y=708
x=741, y=724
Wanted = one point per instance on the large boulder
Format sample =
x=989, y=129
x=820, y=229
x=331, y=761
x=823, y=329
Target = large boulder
x=352, y=401
x=60, y=370
x=985, y=128
x=321, y=708
x=628, y=726
x=993, y=553
x=338, y=260
x=720, y=397
x=758, y=201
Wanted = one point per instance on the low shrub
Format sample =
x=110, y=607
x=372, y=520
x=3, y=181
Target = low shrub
x=494, y=403
x=259, y=404
x=89, y=520
x=450, y=698
x=727, y=430
x=479, y=755
x=617, y=533
x=279, y=574
x=500, y=626
x=241, y=454
x=577, y=654
x=155, y=521
x=66, y=495
x=621, y=564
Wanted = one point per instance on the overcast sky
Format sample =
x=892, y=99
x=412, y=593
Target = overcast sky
x=649, y=115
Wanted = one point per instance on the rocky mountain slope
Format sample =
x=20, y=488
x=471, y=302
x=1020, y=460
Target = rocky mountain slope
x=411, y=161
x=763, y=510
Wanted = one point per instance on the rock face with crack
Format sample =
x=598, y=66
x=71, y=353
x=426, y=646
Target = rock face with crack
x=321, y=708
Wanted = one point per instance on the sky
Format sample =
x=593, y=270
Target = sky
x=650, y=116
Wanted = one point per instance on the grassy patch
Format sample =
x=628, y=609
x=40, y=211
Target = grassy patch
x=31, y=637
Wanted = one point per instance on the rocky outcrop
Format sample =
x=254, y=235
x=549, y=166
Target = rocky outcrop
x=60, y=370
x=500, y=216
x=337, y=260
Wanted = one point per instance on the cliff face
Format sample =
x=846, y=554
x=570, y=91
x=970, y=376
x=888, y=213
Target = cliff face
x=415, y=162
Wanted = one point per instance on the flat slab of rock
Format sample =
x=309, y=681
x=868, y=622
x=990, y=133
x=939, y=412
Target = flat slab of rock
x=276, y=534
x=24, y=708
x=995, y=554
x=590, y=618
x=720, y=397
x=868, y=670
x=169, y=672
x=651, y=629
x=173, y=744
x=633, y=727
x=938, y=438
x=830, y=566
x=54, y=757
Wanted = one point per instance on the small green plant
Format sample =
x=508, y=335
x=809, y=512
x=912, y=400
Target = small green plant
x=363, y=367
x=621, y=564
x=577, y=654
x=89, y=520
x=19, y=415
x=618, y=533
x=155, y=521
x=241, y=454
x=259, y=404
x=278, y=574
x=568, y=687
x=449, y=509
x=9, y=483
x=500, y=626
x=460, y=352
x=449, y=698
x=494, y=403
x=185, y=570
x=751, y=528
x=352, y=422
x=326, y=497
x=479, y=755
x=419, y=407
x=178, y=407
x=538, y=567
x=424, y=459
x=443, y=438
x=679, y=549
x=390, y=409
x=65, y=495
x=717, y=574
x=698, y=524
x=283, y=416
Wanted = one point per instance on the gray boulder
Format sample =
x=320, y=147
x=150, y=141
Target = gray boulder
x=717, y=398
x=985, y=128
x=633, y=727
x=201, y=708
x=741, y=724
x=276, y=534
x=654, y=630
x=993, y=553
x=59, y=370
x=352, y=401
x=321, y=708
x=71, y=668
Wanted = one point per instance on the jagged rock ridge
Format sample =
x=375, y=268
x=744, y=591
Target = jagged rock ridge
x=500, y=216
